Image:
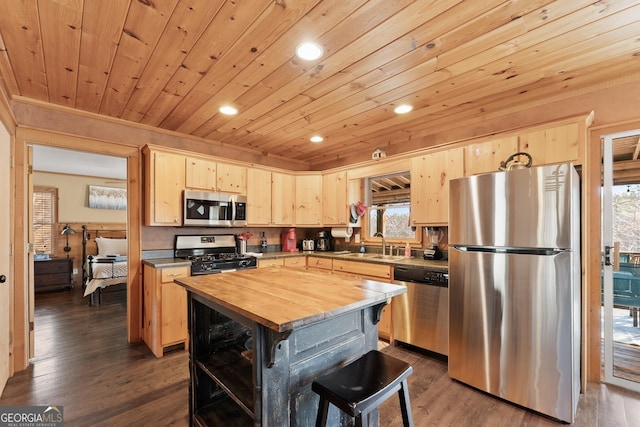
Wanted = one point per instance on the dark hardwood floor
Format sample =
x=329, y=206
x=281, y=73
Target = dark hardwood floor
x=84, y=363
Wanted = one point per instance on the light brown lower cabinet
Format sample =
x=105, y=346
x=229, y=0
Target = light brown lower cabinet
x=371, y=271
x=165, y=308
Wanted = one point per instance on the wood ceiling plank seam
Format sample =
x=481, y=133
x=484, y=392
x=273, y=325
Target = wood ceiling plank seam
x=552, y=60
x=143, y=26
x=287, y=68
x=184, y=29
x=636, y=151
x=19, y=23
x=102, y=26
x=61, y=28
x=214, y=43
x=406, y=17
x=8, y=79
x=364, y=45
x=506, y=17
x=191, y=111
x=516, y=102
x=560, y=14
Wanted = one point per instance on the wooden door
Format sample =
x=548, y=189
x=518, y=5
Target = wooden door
x=283, y=192
x=231, y=178
x=4, y=255
x=174, y=313
x=258, y=197
x=430, y=176
x=334, y=199
x=552, y=145
x=169, y=182
x=484, y=157
x=200, y=174
x=308, y=200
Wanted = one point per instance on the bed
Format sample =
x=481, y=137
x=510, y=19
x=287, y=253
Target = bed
x=104, y=262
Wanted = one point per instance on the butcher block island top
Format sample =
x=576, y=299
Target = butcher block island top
x=259, y=338
x=283, y=299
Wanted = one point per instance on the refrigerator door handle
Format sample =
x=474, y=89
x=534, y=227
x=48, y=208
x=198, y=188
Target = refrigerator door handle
x=607, y=255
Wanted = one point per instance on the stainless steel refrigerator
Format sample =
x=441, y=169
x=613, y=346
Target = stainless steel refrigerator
x=514, y=286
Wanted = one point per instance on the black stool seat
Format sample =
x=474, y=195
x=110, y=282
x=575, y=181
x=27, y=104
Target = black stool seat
x=363, y=385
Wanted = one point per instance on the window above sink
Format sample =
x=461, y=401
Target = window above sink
x=389, y=200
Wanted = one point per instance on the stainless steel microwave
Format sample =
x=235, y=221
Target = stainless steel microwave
x=207, y=209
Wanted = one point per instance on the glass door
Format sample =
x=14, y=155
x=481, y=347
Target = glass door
x=620, y=263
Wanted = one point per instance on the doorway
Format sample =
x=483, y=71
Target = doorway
x=621, y=259
x=70, y=176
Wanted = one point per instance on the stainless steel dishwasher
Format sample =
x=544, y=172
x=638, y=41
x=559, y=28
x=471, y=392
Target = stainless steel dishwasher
x=421, y=315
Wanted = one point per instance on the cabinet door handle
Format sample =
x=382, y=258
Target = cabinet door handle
x=3, y=278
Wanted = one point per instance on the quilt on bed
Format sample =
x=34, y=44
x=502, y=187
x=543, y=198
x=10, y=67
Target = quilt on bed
x=105, y=272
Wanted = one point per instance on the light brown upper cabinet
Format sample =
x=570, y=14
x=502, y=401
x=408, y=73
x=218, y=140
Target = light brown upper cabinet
x=309, y=200
x=204, y=174
x=430, y=176
x=485, y=157
x=552, y=145
x=283, y=198
x=335, y=209
x=200, y=174
x=546, y=145
x=164, y=180
x=270, y=198
x=258, y=197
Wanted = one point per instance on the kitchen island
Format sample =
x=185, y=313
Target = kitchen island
x=258, y=338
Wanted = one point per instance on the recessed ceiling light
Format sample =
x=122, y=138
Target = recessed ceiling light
x=309, y=51
x=228, y=110
x=316, y=138
x=403, y=109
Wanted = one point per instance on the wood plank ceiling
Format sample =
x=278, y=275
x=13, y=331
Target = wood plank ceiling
x=172, y=63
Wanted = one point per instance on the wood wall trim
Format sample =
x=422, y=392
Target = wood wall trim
x=398, y=162
x=67, y=121
x=591, y=217
x=23, y=296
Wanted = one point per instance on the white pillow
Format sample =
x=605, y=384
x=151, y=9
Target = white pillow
x=108, y=246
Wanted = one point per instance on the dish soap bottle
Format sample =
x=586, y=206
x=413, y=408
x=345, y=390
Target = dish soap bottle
x=407, y=250
x=263, y=243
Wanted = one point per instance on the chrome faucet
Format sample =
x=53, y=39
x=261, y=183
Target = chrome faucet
x=384, y=245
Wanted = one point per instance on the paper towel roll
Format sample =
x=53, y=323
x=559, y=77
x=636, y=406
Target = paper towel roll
x=342, y=232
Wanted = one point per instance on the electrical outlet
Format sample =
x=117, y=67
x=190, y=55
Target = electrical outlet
x=75, y=271
x=347, y=239
x=357, y=237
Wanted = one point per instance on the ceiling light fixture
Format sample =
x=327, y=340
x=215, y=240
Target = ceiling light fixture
x=403, y=109
x=309, y=51
x=228, y=110
x=316, y=138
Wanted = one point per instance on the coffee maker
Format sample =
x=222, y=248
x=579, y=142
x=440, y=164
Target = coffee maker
x=434, y=237
x=323, y=242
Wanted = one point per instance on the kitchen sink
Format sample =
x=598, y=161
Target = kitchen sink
x=374, y=256
x=389, y=257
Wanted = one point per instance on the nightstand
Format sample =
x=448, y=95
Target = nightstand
x=53, y=274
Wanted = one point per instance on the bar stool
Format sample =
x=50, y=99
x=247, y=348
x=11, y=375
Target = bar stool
x=362, y=386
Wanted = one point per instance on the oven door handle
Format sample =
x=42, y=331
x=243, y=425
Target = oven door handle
x=230, y=270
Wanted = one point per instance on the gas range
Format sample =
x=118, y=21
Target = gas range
x=210, y=254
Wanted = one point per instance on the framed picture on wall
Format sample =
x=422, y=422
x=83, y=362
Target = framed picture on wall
x=107, y=198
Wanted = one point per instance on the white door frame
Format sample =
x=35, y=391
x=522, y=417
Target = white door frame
x=607, y=240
